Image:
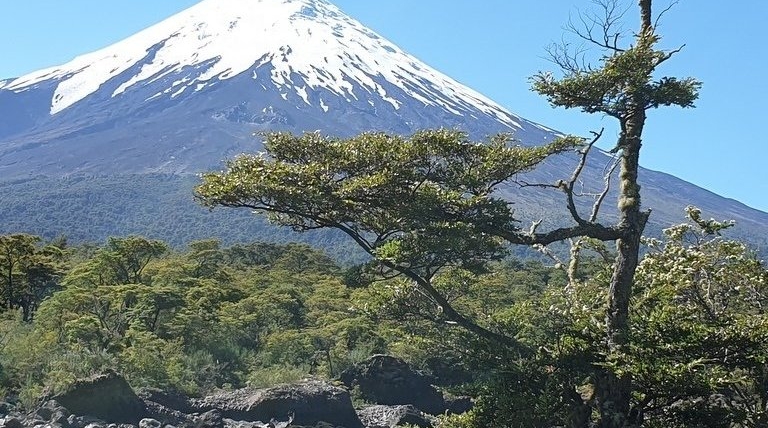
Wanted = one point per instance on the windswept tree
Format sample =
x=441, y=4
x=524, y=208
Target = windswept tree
x=422, y=204
x=624, y=87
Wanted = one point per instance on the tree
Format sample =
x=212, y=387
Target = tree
x=28, y=272
x=416, y=205
x=699, y=330
x=624, y=88
x=422, y=204
x=121, y=261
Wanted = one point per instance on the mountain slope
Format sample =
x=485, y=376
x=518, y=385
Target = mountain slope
x=188, y=92
x=227, y=68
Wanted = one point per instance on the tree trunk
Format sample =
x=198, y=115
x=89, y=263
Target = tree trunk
x=645, y=15
x=613, y=391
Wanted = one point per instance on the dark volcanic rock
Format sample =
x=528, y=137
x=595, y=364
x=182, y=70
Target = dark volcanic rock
x=310, y=402
x=381, y=416
x=211, y=419
x=107, y=396
x=12, y=422
x=383, y=379
x=171, y=399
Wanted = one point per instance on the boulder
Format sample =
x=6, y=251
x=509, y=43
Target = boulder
x=383, y=379
x=381, y=416
x=167, y=398
x=12, y=422
x=167, y=415
x=106, y=396
x=310, y=403
x=150, y=423
x=210, y=419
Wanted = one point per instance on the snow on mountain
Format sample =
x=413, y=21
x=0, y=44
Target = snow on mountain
x=308, y=38
x=192, y=90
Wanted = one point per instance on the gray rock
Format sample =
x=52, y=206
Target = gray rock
x=85, y=422
x=168, y=416
x=44, y=413
x=310, y=402
x=150, y=423
x=107, y=397
x=60, y=417
x=383, y=379
x=210, y=419
x=12, y=422
x=171, y=399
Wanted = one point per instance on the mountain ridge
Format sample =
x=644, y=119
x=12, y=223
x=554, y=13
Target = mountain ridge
x=160, y=103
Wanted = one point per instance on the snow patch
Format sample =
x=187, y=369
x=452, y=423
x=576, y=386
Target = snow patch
x=302, y=91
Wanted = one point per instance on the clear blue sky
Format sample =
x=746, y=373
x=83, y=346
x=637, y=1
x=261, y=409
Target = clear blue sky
x=494, y=46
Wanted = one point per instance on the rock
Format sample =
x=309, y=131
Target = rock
x=60, y=417
x=210, y=419
x=44, y=413
x=383, y=379
x=5, y=408
x=311, y=402
x=171, y=399
x=54, y=412
x=167, y=416
x=12, y=422
x=107, y=396
x=381, y=416
x=150, y=423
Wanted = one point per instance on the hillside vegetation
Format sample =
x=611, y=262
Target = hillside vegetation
x=210, y=317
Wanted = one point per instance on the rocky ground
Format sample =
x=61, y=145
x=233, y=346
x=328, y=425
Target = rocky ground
x=396, y=395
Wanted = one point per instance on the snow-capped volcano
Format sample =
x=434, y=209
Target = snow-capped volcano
x=302, y=45
x=192, y=90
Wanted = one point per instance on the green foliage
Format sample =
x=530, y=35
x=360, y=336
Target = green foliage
x=205, y=318
x=29, y=272
x=623, y=82
x=698, y=340
x=88, y=209
x=411, y=195
x=259, y=314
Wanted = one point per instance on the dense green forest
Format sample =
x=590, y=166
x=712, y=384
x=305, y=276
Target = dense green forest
x=259, y=314
x=159, y=206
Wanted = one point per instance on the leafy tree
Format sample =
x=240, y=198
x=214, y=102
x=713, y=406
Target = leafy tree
x=699, y=333
x=417, y=205
x=624, y=87
x=120, y=261
x=29, y=272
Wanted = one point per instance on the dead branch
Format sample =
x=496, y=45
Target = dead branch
x=658, y=18
x=599, y=201
x=603, y=31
